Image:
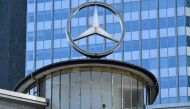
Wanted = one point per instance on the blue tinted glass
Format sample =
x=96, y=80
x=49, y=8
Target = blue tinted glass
x=48, y=0
x=145, y=63
x=30, y=17
x=181, y=20
x=29, y=55
x=183, y=81
x=91, y=11
x=163, y=42
x=82, y=29
x=74, y=53
x=153, y=43
x=136, y=62
x=135, y=26
x=74, y=31
x=57, y=53
x=164, y=100
x=164, y=82
x=40, y=1
x=153, y=4
x=172, y=99
x=127, y=46
x=30, y=1
x=164, y=62
x=117, y=28
x=65, y=13
x=84, y=47
x=107, y=12
x=187, y=21
x=171, y=22
x=144, y=25
x=65, y=52
x=187, y=3
x=172, y=82
x=162, y=4
x=39, y=55
x=58, y=14
x=188, y=60
x=127, y=7
x=182, y=41
x=182, y=60
x=153, y=63
x=153, y=23
x=47, y=53
x=144, y=4
x=172, y=61
x=171, y=3
x=181, y=3
x=135, y=45
x=47, y=35
x=40, y=35
x=135, y=6
x=171, y=41
x=127, y=26
x=30, y=36
x=163, y=22
x=118, y=6
x=57, y=33
x=40, y=16
x=109, y=27
x=82, y=13
x=63, y=34
x=47, y=15
x=184, y=98
x=96, y=48
x=145, y=44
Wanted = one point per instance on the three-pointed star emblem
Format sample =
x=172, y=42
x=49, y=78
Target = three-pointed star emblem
x=95, y=29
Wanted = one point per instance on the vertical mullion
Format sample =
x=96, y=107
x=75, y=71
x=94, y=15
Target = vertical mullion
x=43, y=30
x=140, y=34
x=177, y=54
x=52, y=34
x=158, y=40
x=104, y=14
x=87, y=23
x=35, y=35
x=69, y=46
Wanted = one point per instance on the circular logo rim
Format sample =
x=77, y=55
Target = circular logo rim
x=87, y=53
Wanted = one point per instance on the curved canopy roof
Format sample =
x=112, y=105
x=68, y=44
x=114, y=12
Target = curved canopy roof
x=147, y=77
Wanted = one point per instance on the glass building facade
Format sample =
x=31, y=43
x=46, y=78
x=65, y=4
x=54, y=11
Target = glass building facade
x=156, y=38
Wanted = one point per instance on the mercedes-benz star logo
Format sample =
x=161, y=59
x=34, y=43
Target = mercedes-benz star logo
x=95, y=29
